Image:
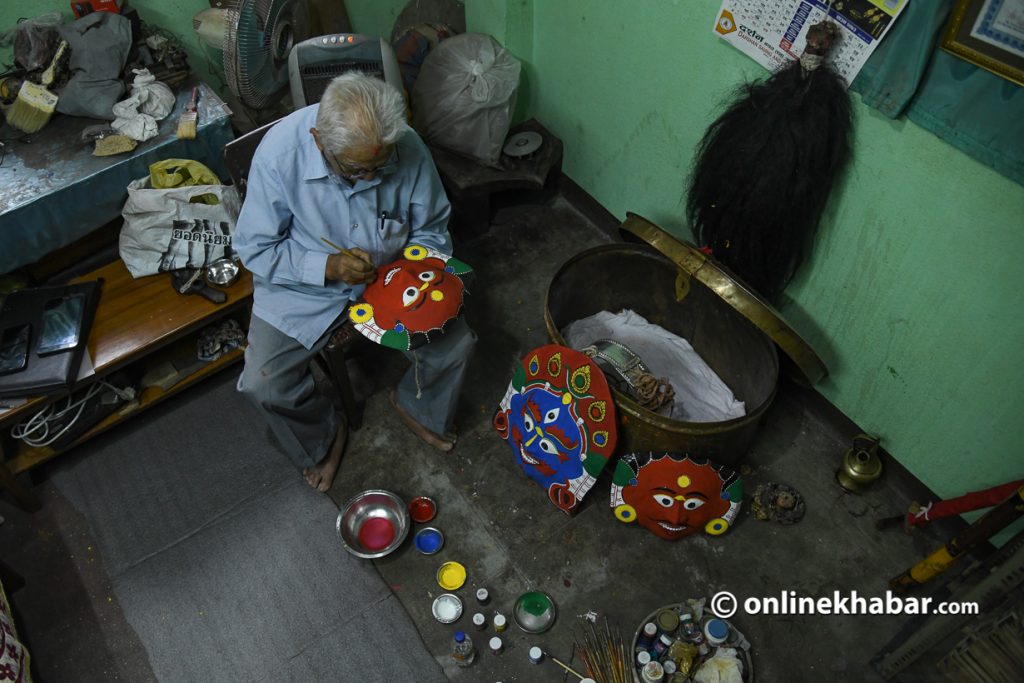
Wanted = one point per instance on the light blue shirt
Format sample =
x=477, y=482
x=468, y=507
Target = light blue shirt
x=293, y=201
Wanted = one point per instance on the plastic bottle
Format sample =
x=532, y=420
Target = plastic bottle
x=463, y=651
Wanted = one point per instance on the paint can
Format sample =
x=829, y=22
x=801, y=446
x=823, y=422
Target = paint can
x=499, y=621
x=496, y=645
x=647, y=635
x=653, y=672
x=536, y=655
x=479, y=621
x=642, y=658
x=483, y=596
x=668, y=621
x=716, y=631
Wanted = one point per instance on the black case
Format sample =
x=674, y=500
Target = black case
x=56, y=372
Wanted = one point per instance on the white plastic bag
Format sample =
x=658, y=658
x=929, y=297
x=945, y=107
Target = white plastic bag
x=163, y=230
x=464, y=96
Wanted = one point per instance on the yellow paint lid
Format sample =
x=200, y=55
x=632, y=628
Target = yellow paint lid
x=451, y=576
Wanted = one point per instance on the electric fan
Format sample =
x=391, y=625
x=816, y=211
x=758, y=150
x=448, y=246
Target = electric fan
x=314, y=62
x=256, y=37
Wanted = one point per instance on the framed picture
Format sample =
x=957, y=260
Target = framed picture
x=989, y=34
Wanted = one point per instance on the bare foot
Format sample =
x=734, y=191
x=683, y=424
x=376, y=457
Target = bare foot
x=321, y=475
x=439, y=442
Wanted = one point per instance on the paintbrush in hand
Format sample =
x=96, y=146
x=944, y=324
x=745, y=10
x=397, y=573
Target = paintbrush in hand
x=188, y=120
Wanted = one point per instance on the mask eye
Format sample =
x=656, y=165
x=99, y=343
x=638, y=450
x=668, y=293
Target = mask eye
x=409, y=296
x=692, y=503
x=663, y=500
x=548, y=447
x=551, y=415
x=428, y=276
x=528, y=421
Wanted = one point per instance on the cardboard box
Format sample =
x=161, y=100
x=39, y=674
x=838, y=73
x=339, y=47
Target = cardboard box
x=86, y=6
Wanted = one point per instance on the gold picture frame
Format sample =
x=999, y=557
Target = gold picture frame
x=991, y=43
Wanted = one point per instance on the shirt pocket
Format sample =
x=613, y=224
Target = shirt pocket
x=393, y=235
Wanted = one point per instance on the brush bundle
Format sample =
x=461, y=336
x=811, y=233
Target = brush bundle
x=604, y=654
x=766, y=166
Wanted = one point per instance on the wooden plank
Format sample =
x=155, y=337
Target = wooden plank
x=136, y=317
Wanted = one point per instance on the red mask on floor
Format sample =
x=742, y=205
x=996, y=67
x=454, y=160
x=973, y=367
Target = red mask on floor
x=675, y=495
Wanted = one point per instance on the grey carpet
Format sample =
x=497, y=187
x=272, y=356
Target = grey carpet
x=226, y=564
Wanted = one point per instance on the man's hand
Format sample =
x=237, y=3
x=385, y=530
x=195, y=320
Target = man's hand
x=354, y=267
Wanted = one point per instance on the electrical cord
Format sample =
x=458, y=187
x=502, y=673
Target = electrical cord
x=35, y=431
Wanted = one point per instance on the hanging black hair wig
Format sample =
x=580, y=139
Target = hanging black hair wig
x=765, y=167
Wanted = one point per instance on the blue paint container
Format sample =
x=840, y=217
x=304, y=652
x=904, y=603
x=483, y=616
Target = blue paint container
x=429, y=540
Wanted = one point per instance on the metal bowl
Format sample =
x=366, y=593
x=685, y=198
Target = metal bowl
x=223, y=272
x=373, y=523
x=534, y=612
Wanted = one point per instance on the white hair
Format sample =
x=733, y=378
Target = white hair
x=359, y=110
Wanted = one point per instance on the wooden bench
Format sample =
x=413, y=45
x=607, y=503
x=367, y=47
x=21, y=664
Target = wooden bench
x=142, y=321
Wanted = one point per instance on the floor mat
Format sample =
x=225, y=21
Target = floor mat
x=225, y=563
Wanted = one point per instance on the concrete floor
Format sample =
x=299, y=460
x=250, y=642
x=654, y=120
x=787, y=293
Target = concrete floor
x=499, y=524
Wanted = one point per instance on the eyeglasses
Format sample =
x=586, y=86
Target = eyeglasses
x=354, y=172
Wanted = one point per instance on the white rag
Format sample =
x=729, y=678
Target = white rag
x=149, y=101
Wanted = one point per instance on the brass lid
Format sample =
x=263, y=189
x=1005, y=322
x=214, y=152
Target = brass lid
x=747, y=303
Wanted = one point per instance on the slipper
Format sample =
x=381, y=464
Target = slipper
x=439, y=442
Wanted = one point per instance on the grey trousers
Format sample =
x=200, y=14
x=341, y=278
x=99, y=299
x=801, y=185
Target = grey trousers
x=277, y=380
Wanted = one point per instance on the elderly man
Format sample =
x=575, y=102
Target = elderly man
x=349, y=171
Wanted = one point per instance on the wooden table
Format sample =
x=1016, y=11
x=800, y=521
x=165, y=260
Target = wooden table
x=135, y=321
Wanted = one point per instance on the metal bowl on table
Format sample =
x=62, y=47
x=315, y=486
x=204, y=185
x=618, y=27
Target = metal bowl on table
x=223, y=272
x=373, y=523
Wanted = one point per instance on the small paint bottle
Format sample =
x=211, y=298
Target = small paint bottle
x=496, y=645
x=669, y=666
x=479, y=621
x=499, y=621
x=642, y=658
x=690, y=629
x=536, y=655
x=483, y=596
x=716, y=632
x=646, y=639
x=661, y=646
x=653, y=672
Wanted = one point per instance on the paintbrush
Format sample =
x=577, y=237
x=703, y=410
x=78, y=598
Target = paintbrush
x=341, y=250
x=565, y=666
x=189, y=118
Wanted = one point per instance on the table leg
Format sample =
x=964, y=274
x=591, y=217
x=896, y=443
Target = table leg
x=23, y=495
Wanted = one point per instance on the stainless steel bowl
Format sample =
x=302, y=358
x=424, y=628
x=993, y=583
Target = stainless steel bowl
x=534, y=612
x=223, y=272
x=375, y=504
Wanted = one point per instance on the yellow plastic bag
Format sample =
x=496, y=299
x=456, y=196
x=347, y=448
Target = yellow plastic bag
x=182, y=173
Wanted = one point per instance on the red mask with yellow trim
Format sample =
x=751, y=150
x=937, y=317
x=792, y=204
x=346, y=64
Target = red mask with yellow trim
x=675, y=495
x=411, y=298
